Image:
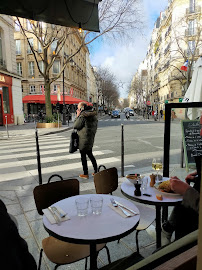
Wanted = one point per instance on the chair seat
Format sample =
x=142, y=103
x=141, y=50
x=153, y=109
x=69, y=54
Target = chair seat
x=147, y=217
x=60, y=252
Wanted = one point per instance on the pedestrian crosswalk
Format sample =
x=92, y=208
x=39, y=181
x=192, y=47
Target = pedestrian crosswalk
x=119, y=120
x=18, y=159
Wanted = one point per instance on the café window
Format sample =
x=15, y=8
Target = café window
x=28, y=46
x=19, y=68
x=31, y=68
x=18, y=46
x=6, y=103
x=32, y=89
x=56, y=67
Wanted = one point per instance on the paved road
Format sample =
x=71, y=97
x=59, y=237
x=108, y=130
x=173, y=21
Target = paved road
x=143, y=141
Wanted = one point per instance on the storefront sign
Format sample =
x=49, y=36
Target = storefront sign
x=180, y=99
x=166, y=101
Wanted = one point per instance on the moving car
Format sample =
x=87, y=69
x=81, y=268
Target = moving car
x=115, y=114
x=131, y=112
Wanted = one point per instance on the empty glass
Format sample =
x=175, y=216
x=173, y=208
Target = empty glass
x=144, y=183
x=82, y=206
x=96, y=204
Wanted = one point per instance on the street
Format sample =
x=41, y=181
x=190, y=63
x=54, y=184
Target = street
x=143, y=140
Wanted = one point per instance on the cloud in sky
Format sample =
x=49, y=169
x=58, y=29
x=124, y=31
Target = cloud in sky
x=123, y=60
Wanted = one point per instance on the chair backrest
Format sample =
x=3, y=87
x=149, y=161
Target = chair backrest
x=47, y=194
x=106, y=181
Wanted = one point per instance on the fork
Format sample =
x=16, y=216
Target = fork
x=123, y=210
x=59, y=213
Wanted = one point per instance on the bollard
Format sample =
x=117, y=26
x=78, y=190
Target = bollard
x=38, y=155
x=122, y=150
x=7, y=126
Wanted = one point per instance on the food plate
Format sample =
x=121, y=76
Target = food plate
x=133, y=176
x=165, y=193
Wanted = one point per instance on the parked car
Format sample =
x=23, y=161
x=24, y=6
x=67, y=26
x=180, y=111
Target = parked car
x=131, y=112
x=115, y=114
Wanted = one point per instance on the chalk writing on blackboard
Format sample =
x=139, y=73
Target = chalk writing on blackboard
x=192, y=141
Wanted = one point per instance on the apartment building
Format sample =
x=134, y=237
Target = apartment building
x=91, y=82
x=176, y=37
x=10, y=83
x=33, y=87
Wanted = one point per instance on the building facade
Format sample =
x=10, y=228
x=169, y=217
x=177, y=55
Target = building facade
x=176, y=37
x=10, y=83
x=75, y=77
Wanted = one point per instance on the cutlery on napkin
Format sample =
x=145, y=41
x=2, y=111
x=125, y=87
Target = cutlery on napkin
x=122, y=210
x=55, y=215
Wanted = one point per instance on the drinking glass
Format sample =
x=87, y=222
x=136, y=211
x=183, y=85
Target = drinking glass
x=144, y=183
x=157, y=165
x=82, y=206
x=96, y=204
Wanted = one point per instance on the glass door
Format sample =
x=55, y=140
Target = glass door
x=1, y=113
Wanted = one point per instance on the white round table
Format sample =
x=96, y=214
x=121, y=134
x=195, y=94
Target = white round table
x=92, y=229
x=128, y=189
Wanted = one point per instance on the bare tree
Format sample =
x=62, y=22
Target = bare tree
x=117, y=19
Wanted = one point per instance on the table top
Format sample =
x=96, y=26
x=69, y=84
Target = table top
x=128, y=189
x=106, y=227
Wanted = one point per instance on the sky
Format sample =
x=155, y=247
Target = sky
x=123, y=59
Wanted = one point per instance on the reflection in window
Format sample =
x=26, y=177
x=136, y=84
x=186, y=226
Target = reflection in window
x=6, y=100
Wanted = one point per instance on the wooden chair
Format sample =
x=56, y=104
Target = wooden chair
x=56, y=251
x=106, y=182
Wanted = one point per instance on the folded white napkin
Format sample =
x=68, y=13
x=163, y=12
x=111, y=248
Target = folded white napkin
x=119, y=211
x=51, y=218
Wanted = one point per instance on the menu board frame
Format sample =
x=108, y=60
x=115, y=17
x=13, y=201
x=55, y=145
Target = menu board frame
x=190, y=141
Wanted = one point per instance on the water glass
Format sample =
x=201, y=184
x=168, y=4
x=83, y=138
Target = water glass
x=144, y=183
x=82, y=206
x=96, y=204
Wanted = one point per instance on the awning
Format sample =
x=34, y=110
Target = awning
x=41, y=99
x=70, y=13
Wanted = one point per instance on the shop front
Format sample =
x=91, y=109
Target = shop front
x=6, y=103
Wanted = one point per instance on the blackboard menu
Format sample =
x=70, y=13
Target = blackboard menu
x=192, y=141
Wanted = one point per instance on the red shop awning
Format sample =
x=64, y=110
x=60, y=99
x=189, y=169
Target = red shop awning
x=41, y=99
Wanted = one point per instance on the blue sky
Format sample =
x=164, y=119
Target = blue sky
x=124, y=59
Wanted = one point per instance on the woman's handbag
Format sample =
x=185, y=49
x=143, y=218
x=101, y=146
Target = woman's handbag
x=74, y=142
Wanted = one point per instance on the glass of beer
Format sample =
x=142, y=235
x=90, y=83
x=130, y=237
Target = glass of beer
x=157, y=165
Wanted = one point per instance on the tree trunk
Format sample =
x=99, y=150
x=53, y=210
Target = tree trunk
x=48, y=99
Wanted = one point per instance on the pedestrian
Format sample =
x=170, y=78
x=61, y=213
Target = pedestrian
x=161, y=113
x=184, y=217
x=86, y=125
x=14, y=249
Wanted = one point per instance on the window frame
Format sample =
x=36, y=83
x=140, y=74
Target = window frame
x=32, y=89
x=19, y=69
x=56, y=61
x=32, y=67
x=18, y=41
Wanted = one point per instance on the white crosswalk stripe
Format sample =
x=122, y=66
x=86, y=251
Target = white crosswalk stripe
x=18, y=158
x=117, y=119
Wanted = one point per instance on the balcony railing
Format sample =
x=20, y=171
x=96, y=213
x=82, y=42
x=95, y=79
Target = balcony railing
x=190, y=32
x=2, y=63
x=191, y=10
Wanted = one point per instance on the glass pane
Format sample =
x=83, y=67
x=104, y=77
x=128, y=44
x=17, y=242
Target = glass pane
x=6, y=104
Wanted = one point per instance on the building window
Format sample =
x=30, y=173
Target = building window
x=31, y=68
x=56, y=87
x=42, y=89
x=191, y=27
x=31, y=43
x=56, y=67
x=39, y=47
x=54, y=45
x=19, y=68
x=29, y=25
x=18, y=46
x=41, y=66
x=32, y=89
x=6, y=103
x=17, y=26
x=192, y=4
x=191, y=47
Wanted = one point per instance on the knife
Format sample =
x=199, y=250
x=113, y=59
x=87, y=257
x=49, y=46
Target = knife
x=135, y=213
x=54, y=215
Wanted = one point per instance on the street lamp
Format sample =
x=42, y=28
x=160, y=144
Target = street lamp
x=63, y=83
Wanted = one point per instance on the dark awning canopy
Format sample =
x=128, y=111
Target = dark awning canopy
x=70, y=13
